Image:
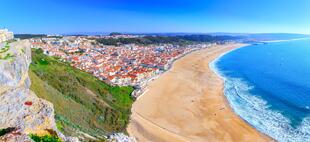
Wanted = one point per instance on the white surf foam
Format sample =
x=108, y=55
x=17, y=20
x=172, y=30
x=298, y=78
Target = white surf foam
x=257, y=112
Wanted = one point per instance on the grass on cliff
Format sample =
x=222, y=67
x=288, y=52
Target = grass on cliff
x=81, y=101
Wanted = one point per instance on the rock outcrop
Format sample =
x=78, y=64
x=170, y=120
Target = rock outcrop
x=120, y=137
x=21, y=112
x=5, y=34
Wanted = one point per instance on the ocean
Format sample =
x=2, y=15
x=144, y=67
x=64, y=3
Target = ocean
x=268, y=85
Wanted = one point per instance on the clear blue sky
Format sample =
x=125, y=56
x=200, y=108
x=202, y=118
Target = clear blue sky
x=200, y=16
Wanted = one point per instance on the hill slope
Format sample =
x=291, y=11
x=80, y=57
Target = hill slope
x=82, y=102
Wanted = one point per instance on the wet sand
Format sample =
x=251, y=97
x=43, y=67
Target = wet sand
x=186, y=104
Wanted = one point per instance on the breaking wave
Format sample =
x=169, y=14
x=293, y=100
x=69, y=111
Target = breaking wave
x=258, y=113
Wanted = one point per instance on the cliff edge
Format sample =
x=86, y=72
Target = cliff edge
x=22, y=113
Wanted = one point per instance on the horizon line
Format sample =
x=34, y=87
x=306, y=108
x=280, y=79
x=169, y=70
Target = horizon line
x=139, y=33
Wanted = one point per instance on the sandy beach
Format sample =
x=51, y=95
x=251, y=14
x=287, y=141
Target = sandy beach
x=186, y=104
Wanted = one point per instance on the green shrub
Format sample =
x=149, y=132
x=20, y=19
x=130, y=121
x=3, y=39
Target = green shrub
x=46, y=138
x=59, y=126
x=6, y=130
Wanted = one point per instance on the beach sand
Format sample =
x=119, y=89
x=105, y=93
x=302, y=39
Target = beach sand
x=186, y=104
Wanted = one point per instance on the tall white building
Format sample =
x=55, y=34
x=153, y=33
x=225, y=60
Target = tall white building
x=5, y=35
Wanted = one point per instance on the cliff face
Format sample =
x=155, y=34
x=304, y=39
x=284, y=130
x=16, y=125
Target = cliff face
x=21, y=112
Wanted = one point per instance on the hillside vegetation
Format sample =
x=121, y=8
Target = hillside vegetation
x=28, y=36
x=181, y=40
x=82, y=103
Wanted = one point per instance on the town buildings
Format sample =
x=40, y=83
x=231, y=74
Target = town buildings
x=129, y=64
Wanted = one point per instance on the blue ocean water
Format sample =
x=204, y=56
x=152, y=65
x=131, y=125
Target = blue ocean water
x=268, y=85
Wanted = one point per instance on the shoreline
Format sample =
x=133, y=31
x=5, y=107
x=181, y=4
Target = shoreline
x=220, y=75
x=179, y=116
x=143, y=85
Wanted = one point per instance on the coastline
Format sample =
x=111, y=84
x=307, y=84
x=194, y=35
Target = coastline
x=193, y=107
x=213, y=67
x=143, y=85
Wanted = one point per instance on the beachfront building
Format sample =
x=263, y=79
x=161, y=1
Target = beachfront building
x=129, y=64
x=5, y=35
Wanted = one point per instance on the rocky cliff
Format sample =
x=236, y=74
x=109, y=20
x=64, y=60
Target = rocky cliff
x=22, y=113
